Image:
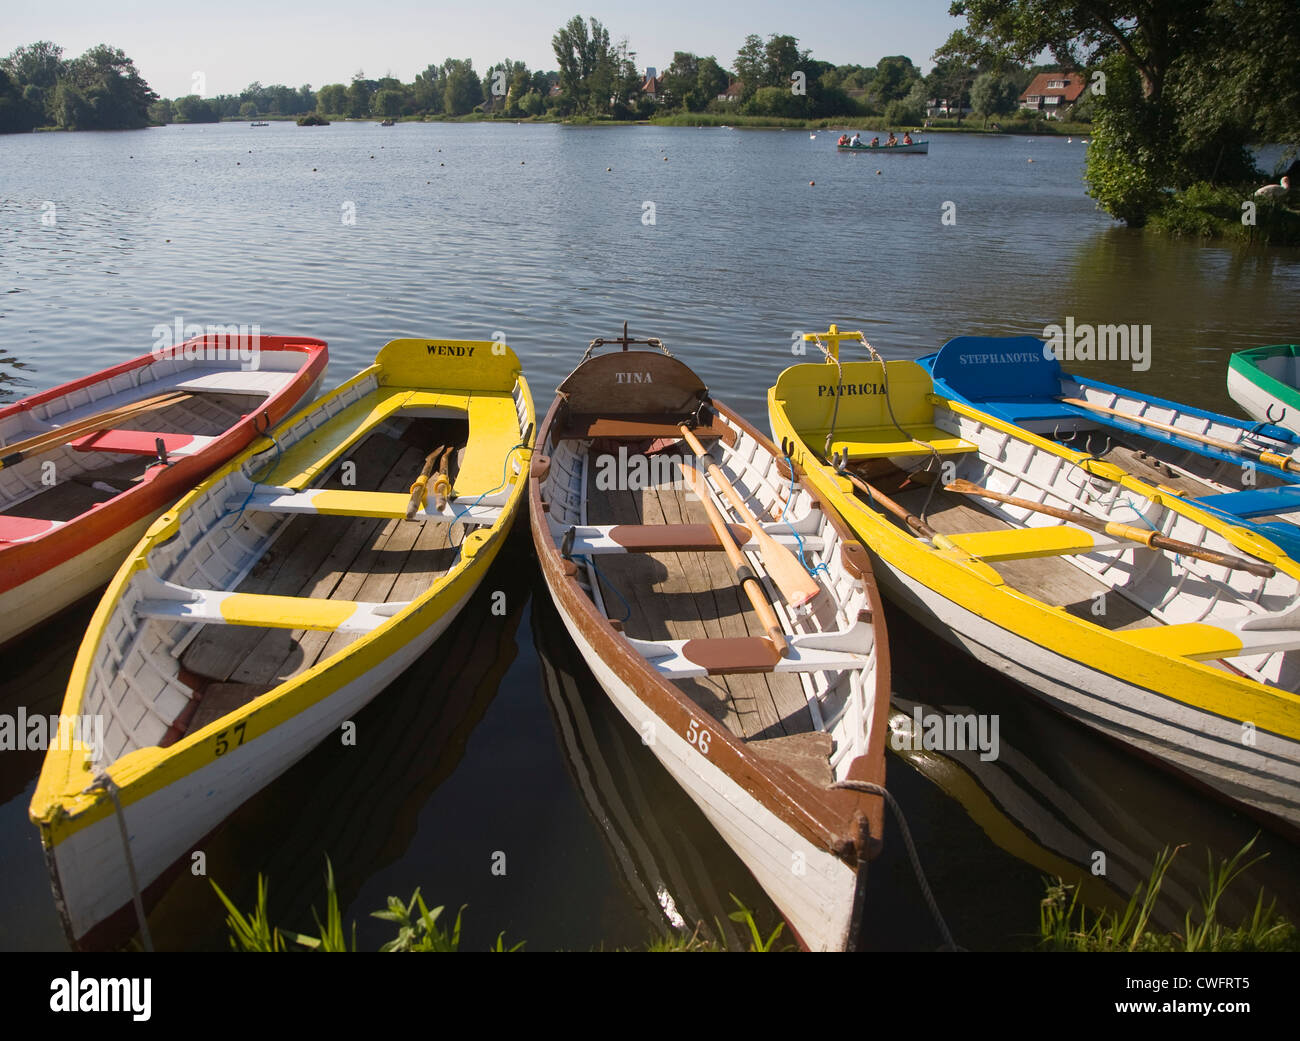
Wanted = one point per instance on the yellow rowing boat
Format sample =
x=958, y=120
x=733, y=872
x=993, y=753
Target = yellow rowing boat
x=1192, y=656
x=269, y=605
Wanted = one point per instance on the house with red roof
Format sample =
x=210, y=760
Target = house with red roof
x=733, y=92
x=1052, y=93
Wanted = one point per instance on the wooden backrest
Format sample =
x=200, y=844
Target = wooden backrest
x=633, y=383
x=807, y=393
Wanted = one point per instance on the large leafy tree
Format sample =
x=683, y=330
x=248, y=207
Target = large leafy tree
x=332, y=99
x=462, y=90
x=1187, y=83
x=116, y=96
x=994, y=94
x=751, y=66
x=582, y=50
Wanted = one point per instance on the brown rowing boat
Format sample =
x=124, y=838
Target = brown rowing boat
x=662, y=563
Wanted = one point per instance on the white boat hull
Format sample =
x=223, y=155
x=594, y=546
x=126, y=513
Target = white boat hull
x=1259, y=404
x=92, y=880
x=1209, y=748
x=812, y=888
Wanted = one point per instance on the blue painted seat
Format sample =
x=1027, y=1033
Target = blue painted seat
x=1254, y=502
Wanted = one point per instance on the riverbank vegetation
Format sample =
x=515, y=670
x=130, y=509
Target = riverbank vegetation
x=1065, y=923
x=1178, y=97
x=770, y=81
x=100, y=90
x=419, y=929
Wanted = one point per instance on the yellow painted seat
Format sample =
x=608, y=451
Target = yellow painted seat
x=1194, y=640
x=493, y=431
x=318, y=451
x=863, y=423
x=1026, y=543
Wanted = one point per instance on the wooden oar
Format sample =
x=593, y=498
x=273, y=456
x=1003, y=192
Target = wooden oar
x=792, y=578
x=20, y=450
x=1152, y=539
x=911, y=520
x=420, y=489
x=1282, y=462
x=744, y=575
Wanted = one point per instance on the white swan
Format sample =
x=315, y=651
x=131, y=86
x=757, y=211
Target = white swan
x=1275, y=191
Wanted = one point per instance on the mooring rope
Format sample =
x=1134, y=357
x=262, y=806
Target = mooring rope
x=876, y=789
x=102, y=780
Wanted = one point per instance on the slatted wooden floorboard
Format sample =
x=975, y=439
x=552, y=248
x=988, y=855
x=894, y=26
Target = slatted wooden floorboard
x=693, y=595
x=328, y=557
x=206, y=414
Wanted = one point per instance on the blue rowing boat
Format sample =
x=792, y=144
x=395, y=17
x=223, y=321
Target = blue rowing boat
x=1247, y=472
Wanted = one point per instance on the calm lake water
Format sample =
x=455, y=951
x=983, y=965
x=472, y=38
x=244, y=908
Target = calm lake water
x=715, y=241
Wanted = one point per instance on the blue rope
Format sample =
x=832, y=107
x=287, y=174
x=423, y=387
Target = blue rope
x=785, y=516
x=505, y=479
x=256, y=481
x=1142, y=517
x=627, y=608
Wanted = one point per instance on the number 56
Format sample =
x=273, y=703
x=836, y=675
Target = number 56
x=698, y=737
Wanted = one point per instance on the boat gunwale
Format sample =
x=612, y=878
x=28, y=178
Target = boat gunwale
x=1246, y=365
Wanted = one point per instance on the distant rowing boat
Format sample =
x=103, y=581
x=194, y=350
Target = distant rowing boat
x=915, y=148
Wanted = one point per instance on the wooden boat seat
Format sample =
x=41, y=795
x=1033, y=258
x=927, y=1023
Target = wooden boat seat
x=1027, y=543
x=493, y=431
x=589, y=427
x=261, y=382
x=885, y=442
x=140, y=442
x=219, y=607
x=737, y=655
x=1202, y=642
x=671, y=538
x=343, y=502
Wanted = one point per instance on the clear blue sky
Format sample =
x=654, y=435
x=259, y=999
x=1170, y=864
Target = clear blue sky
x=325, y=41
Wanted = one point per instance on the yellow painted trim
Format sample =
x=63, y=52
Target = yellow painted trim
x=1189, y=640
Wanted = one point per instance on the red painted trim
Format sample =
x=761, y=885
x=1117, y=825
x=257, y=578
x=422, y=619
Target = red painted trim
x=161, y=486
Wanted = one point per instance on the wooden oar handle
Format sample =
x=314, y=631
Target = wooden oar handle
x=791, y=577
x=1152, y=539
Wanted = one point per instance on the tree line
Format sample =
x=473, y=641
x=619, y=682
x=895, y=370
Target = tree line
x=596, y=77
x=100, y=90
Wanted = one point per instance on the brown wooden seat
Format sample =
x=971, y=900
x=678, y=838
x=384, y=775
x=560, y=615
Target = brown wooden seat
x=587, y=427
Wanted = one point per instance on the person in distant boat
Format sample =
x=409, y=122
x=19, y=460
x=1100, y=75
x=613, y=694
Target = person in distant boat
x=844, y=139
x=875, y=142
x=855, y=140
x=907, y=138
x=892, y=140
